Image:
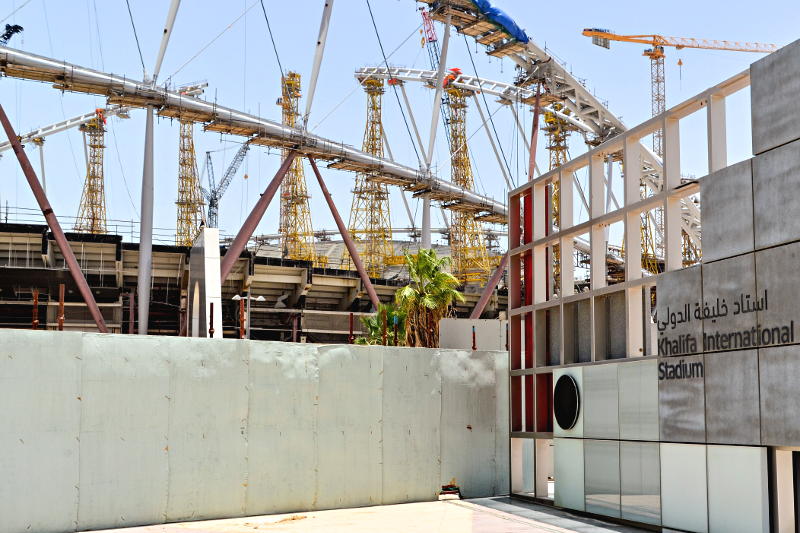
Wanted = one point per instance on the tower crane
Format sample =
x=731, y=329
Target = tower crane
x=215, y=190
x=656, y=54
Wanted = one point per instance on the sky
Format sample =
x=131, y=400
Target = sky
x=227, y=45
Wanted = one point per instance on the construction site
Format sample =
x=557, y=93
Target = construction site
x=462, y=295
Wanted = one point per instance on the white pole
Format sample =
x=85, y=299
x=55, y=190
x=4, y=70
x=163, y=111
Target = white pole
x=437, y=99
x=320, y=50
x=171, y=14
x=146, y=228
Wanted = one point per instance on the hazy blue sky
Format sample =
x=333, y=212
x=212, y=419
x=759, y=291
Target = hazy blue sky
x=242, y=72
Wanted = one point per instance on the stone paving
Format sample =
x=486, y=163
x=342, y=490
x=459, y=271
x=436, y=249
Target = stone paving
x=484, y=515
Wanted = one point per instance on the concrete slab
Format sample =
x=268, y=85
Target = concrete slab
x=727, y=284
x=777, y=214
x=485, y=515
x=208, y=422
x=123, y=431
x=40, y=432
x=732, y=406
x=287, y=375
x=727, y=214
x=681, y=399
x=779, y=370
x=779, y=297
x=679, y=332
x=774, y=86
x=638, y=400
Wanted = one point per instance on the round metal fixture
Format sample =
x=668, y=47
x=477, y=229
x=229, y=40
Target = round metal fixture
x=566, y=402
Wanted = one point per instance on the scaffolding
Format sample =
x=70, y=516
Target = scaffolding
x=470, y=261
x=297, y=234
x=190, y=199
x=370, y=223
x=92, y=211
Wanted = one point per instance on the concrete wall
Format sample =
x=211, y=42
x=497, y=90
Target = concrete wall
x=109, y=431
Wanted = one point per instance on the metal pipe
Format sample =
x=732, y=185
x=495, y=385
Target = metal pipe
x=146, y=227
x=477, y=311
x=534, y=132
x=318, y=53
x=211, y=322
x=131, y=309
x=413, y=121
x=351, y=338
x=241, y=318
x=246, y=231
x=247, y=318
x=437, y=99
x=66, y=76
x=491, y=141
x=347, y=238
x=41, y=166
x=35, y=322
x=474, y=339
x=426, y=222
x=171, y=14
x=60, y=317
x=52, y=222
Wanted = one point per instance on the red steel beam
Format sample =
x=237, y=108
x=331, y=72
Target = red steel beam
x=477, y=311
x=238, y=245
x=52, y=221
x=347, y=238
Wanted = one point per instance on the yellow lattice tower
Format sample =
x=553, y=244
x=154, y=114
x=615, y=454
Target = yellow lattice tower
x=370, y=223
x=467, y=247
x=557, y=130
x=92, y=211
x=190, y=200
x=297, y=235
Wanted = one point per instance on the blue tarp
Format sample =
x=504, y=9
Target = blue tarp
x=502, y=19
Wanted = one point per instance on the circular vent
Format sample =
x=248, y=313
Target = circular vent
x=566, y=402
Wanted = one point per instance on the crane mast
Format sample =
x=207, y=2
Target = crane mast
x=92, y=211
x=215, y=191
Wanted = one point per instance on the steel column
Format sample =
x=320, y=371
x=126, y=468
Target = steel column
x=426, y=222
x=52, y=222
x=489, y=289
x=240, y=241
x=346, y=237
x=318, y=53
x=437, y=99
x=146, y=228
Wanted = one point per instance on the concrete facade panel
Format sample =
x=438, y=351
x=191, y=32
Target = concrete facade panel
x=774, y=85
x=125, y=404
x=776, y=210
x=601, y=473
x=569, y=473
x=681, y=399
x=779, y=369
x=412, y=409
x=207, y=426
x=456, y=333
x=39, y=440
x=501, y=425
x=640, y=480
x=738, y=496
x=282, y=423
x=601, y=411
x=469, y=396
x=779, y=297
x=732, y=406
x=638, y=400
x=349, y=450
x=683, y=487
x=727, y=214
x=728, y=286
x=677, y=292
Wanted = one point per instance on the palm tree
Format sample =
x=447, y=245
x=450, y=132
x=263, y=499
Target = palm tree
x=427, y=299
x=373, y=326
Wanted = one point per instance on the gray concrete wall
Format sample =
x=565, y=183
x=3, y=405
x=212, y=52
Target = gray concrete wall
x=109, y=431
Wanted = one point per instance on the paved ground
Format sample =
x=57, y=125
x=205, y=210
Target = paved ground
x=485, y=515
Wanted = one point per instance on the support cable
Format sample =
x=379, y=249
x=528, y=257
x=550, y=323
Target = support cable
x=271, y=38
x=136, y=36
x=485, y=103
x=394, y=88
